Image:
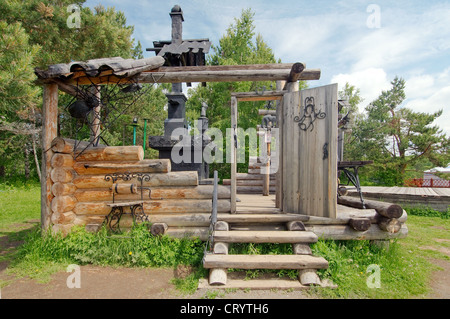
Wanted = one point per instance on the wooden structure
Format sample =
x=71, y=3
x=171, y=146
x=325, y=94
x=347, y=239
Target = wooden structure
x=304, y=208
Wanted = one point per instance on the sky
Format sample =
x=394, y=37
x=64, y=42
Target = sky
x=364, y=43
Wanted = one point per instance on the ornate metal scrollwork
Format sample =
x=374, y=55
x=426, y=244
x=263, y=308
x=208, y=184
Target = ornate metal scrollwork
x=309, y=115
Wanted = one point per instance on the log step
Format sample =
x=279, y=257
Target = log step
x=281, y=237
x=261, y=218
x=264, y=261
x=262, y=284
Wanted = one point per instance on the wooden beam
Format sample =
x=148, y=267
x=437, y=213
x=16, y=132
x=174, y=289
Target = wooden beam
x=296, y=72
x=255, y=96
x=49, y=132
x=225, y=76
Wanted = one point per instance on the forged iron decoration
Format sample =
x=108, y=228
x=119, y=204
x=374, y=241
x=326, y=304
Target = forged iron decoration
x=310, y=115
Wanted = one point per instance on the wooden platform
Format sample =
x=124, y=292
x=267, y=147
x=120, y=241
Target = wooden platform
x=436, y=198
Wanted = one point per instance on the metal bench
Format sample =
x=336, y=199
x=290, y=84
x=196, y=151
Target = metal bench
x=135, y=206
x=350, y=168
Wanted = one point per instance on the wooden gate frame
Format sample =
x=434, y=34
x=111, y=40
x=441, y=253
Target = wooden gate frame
x=236, y=97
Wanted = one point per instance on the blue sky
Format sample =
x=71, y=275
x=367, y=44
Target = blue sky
x=365, y=43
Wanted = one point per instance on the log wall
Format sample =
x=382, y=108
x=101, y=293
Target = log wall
x=81, y=194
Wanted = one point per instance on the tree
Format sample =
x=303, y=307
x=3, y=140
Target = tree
x=36, y=33
x=238, y=46
x=17, y=94
x=396, y=137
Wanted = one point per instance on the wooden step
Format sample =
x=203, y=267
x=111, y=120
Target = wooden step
x=280, y=237
x=261, y=218
x=264, y=261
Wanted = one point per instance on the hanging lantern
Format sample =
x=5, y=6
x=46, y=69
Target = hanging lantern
x=79, y=109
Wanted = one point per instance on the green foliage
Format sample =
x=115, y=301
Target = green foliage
x=396, y=138
x=427, y=212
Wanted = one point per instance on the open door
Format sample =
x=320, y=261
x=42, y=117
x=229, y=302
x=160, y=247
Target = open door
x=309, y=151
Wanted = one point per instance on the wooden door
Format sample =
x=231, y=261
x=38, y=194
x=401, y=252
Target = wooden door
x=309, y=151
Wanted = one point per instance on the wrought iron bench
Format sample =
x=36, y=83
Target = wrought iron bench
x=136, y=206
x=350, y=168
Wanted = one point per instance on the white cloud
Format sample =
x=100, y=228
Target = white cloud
x=370, y=81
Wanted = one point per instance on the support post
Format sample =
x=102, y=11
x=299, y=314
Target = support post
x=49, y=132
x=233, y=145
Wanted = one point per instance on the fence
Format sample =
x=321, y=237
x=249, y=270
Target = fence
x=420, y=182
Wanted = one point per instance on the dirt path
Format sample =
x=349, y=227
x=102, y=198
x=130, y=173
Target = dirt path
x=121, y=283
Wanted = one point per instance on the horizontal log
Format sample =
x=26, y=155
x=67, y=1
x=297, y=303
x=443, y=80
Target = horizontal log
x=61, y=189
x=181, y=220
x=265, y=261
x=185, y=206
x=201, y=233
x=62, y=175
x=226, y=76
x=236, y=236
x=144, y=166
x=193, y=192
x=158, y=193
x=345, y=232
x=111, y=153
x=67, y=145
x=105, y=195
x=62, y=160
x=183, y=178
x=157, y=206
x=388, y=210
x=62, y=204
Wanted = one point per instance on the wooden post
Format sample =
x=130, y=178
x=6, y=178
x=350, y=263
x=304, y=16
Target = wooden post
x=266, y=180
x=233, y=159
x=279, y=175
x=95, y=130
x=49, y=132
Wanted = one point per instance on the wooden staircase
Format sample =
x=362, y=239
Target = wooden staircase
x=252, y=181
x=228, y=231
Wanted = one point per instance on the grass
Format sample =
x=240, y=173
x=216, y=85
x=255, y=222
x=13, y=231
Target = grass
x=404, y=269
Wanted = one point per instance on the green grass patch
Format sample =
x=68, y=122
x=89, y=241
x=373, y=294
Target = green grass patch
x=138, y=248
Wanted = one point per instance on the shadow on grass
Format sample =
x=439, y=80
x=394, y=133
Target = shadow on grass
x=12, y=239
